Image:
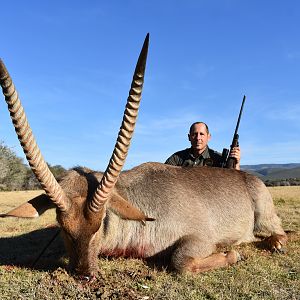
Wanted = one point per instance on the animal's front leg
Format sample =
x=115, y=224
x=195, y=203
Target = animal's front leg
x=195, y=255
x=214, y=261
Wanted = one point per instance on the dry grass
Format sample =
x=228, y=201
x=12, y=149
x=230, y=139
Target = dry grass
x=11, y=226
x=287, y=201
x=261, y=276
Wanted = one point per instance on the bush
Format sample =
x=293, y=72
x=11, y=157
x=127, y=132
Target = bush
x=15, y=175
x=12, y=170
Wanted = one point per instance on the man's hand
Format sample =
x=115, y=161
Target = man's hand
x=236, y=153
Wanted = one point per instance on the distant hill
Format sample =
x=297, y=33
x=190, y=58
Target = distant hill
x=274, y=171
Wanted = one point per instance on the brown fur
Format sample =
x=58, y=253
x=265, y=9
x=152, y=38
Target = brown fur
x=195, y=210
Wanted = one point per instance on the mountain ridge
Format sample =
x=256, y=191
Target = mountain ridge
x=274, y=171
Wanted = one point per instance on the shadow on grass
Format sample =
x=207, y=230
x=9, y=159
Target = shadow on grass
x=24, y=250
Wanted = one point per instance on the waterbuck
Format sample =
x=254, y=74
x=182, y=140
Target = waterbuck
x=154, y=211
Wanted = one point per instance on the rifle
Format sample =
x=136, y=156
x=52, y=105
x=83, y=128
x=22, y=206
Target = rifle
x=230, y=162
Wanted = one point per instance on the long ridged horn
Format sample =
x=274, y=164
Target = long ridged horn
x=28, y=143
x=118, y=157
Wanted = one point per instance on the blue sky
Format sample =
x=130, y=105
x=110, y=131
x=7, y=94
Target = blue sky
x=72, y=63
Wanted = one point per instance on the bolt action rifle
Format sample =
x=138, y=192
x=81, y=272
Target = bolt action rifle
x=230, y=162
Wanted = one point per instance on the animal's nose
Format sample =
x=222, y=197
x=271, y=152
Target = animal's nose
x=87, y=278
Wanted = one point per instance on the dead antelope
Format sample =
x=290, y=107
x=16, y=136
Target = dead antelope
x=192, y=210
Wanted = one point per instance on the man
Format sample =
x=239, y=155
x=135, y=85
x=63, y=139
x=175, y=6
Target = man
x=200, y=154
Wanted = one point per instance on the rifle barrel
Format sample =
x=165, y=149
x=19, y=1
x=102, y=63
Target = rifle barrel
x=239, y=118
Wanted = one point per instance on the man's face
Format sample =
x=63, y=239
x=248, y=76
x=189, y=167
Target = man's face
x=199, y=137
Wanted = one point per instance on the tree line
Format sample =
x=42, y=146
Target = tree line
x=282, y=182
x=16, y=176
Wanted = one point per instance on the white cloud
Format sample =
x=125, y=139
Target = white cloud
x=287, y=152
x=293, y=55
x=284, y=113
x=162, y=125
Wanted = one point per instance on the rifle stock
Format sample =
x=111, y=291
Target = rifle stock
x=231, y=161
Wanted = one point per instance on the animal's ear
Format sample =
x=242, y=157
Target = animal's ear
x=31, y=209
x=126, y=210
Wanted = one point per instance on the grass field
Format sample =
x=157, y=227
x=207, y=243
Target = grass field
x=261, y=275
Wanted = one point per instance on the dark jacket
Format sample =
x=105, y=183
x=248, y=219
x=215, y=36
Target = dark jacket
x=185, y=158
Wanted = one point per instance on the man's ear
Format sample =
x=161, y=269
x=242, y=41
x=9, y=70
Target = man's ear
x=189, y=137
x=208, y=137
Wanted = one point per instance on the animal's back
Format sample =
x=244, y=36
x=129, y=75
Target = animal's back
x=212, y=203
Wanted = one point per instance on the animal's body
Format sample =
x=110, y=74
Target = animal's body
x=195, y=210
